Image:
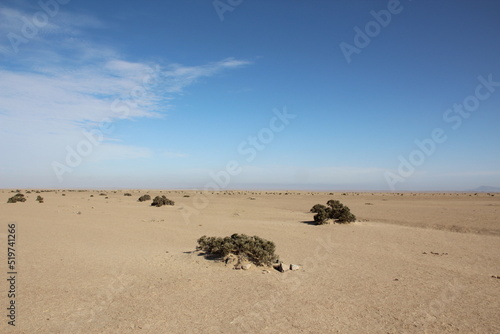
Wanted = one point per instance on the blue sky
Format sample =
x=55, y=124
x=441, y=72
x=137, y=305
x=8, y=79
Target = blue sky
x=182, y=87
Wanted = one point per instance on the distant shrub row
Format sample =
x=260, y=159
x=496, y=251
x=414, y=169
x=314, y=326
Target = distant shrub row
x=157, y=201
x=20, y=198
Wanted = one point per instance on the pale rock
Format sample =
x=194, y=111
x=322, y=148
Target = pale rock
x=281, y=267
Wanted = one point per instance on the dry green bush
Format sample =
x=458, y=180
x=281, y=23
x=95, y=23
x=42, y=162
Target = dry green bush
x=334, y=210
x=160, y=201
x=254, y=249
x=144, y=198
x=17, y=198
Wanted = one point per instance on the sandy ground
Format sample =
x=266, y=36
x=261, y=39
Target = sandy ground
x=413, y=263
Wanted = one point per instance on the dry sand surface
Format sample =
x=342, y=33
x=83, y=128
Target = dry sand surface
x=413, y=263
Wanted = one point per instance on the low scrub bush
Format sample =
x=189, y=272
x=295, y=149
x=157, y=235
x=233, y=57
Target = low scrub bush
x=127, y=194
x=159, y=201
x=17, y=198
x=144, y=198
x=334, y=210
x=39, y=199
x=254, y=249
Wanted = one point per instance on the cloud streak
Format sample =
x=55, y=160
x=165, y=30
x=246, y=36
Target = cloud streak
x=178, y=76
x=61, y=85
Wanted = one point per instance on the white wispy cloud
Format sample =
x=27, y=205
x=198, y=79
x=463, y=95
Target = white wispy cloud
x=178, y=76
x=59, y=84
x=66, y=98
x=35, y=25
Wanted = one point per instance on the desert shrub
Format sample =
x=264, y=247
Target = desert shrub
x=317, y=207
x=254, y=249
x=322, y=215
x=127, y=194
x=159, y=201
x=340, y=213
x=334, y=210
x=17, y=198
x=144, y=198
x=39, y=199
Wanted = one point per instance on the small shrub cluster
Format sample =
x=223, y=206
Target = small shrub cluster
x=127, y=194
x=254, y=249
x=39, y=199
x=144, y=198
x=334, y=210
x=17, y=198
x=159, y=201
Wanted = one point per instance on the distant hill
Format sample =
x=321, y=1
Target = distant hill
x=486, y=189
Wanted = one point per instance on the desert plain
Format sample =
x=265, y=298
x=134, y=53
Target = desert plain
x=96, y=261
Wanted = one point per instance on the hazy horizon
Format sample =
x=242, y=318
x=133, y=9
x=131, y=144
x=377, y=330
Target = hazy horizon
x=266, y=188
